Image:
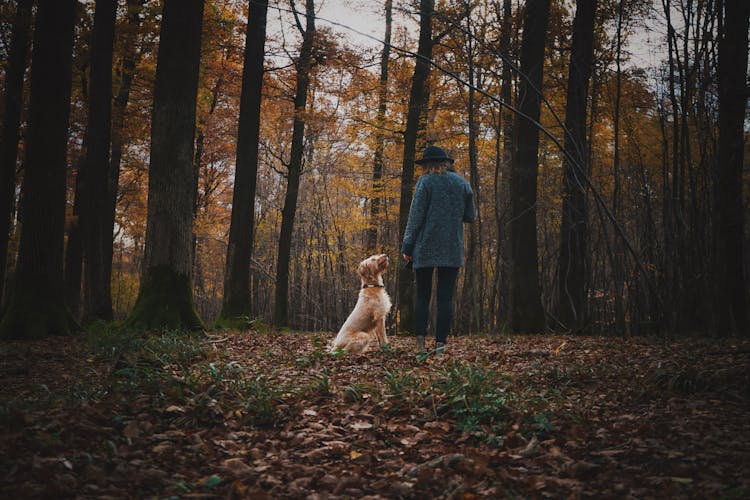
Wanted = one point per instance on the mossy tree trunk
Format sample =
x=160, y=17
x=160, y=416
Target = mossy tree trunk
x=36, y=307
x=281, y=305
x=418, y=99
x=526, y=311
x=165, y=299
x=13, y=101
x=237, y=305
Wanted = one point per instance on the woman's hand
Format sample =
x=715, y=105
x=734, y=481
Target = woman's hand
x=407, y=258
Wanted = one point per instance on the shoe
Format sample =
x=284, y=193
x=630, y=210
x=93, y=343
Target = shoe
x=439, y=348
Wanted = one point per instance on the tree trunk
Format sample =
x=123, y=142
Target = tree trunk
x=730, y=287
x=281, y=306
x=526, y=311
x=97, y=298
x=418, y=100
x=573, y=232
x=378, y=157
x=36, y=307
x=472, y=301
x=73, y=267
x=618, y=257
x=237, y=306
x=673, y=224
x=165, y=299
x=19, y=46
x=502, y=190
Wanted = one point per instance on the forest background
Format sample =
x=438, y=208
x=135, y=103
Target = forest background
x=635, y=222
x=220, y=166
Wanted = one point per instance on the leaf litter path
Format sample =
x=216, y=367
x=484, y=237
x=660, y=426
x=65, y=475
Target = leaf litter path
x=271, y=415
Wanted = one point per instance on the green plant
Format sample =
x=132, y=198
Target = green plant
x=260, y=398
x=311, y=359
x=106, y=338
x=321, y=385
x=173, y=347
x=543, y=426
x=400, y=384
x=473, y=396
x=357, y=392
x=259, y=326
x=679, y=378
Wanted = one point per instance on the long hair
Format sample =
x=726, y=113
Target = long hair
x=437, y=167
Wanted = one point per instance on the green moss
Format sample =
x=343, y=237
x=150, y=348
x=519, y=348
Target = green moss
x=260, y=326
x=232, y=323
x=36, y=313
x=165, y=302
x=234, y=315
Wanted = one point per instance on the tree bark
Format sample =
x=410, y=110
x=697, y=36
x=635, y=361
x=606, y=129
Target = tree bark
x=618, y=258
x=673, y=224
x=165, y=299
x=19, y=47
x=471, y=297
x=37, y=308
x=573, y=232
x=418, y=100
x=237, y=305
x=526, y=311
x=73, y=267
x=376, y=202
x=503, y=175
x=730, y=286
x=303, y=63
x=97, y=236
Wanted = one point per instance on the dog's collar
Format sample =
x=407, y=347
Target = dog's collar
x=367, y=285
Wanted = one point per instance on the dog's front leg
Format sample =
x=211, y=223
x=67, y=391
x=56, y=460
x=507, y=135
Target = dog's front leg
x=380, y=331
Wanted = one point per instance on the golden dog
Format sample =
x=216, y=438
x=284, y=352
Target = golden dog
x=368, y=316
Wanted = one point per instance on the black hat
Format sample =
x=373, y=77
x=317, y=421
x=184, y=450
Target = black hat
x=433, y=153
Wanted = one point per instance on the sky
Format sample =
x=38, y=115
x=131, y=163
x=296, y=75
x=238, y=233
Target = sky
x=361, y=15
x=367, y=17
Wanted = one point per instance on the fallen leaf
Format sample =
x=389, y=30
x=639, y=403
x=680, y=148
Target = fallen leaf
x=360, y=426
x=682, y=480
x=132, y=430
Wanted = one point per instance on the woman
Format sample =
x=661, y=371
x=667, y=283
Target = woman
x=434, y=239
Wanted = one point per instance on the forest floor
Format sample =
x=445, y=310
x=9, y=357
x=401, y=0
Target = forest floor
x=272, y=415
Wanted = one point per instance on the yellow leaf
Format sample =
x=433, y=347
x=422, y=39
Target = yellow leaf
x=557, y=351
x=354, y=454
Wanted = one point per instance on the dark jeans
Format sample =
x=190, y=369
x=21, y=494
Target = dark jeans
x=446, y=285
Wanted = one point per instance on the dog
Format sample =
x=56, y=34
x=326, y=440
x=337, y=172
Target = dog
x=367, y=320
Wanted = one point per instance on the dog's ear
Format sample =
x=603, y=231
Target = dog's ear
x=368, y=269
x=364, y=269
x=382, y=263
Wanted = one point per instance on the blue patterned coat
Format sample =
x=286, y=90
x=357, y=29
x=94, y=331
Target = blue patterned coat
x=434, y=235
